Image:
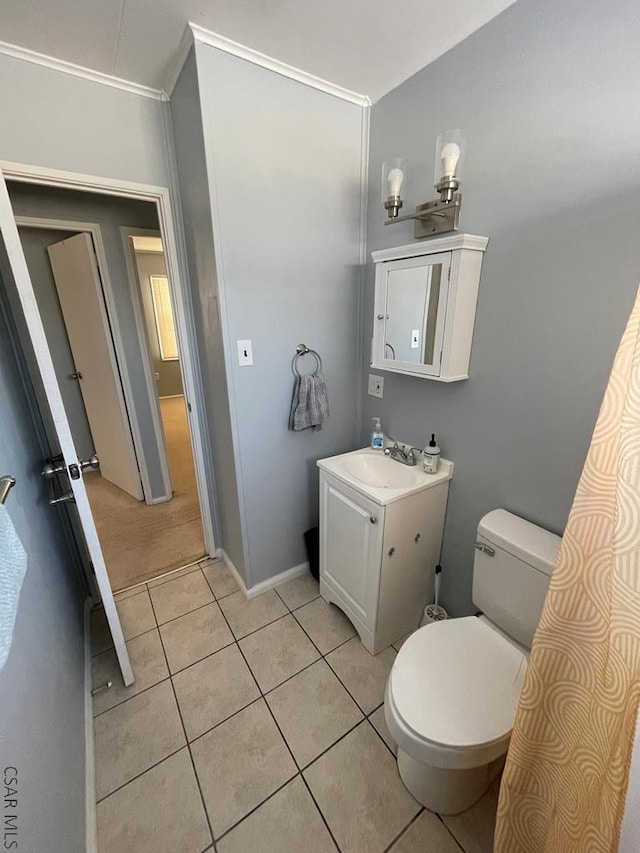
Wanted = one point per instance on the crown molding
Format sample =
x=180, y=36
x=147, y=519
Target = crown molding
x=74, y=70
x=212, y=39
x=179, y=59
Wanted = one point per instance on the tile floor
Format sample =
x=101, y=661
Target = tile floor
x=253, y=726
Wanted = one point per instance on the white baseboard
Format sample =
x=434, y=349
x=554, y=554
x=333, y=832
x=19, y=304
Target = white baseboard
x=90, y=763
x=263, y=586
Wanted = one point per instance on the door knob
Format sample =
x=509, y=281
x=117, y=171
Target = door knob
x=92, y=462
x=63, y=499
x=53, y=466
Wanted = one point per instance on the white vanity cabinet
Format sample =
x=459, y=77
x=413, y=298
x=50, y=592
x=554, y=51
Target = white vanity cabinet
x=425, y=307
x=377, y=556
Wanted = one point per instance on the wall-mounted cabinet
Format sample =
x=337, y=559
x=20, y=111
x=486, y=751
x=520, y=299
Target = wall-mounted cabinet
x=425, y=307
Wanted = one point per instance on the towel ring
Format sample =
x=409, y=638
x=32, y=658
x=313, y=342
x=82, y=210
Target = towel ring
x=303, y=349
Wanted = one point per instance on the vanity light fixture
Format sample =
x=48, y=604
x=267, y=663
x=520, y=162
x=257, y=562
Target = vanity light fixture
x=432, y=217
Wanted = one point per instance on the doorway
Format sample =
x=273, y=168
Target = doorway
x=72, y=240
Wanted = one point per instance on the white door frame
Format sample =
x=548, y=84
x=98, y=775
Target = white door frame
x=191, y=373
x=112, y=334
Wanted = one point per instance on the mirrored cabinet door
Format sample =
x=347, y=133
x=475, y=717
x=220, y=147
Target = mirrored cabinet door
x=411, y=313
x=414, y=315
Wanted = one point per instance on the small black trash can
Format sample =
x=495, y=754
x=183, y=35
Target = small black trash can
x=312, y=542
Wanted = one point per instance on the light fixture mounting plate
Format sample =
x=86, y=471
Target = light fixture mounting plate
x=443, y=218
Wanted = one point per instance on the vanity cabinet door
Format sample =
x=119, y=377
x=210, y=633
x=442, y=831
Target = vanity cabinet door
x=350, y=549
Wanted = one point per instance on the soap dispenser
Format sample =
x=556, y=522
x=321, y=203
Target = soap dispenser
x=377, y=436
x=431, y=456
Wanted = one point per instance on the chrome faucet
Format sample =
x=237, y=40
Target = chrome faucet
x=406, y=457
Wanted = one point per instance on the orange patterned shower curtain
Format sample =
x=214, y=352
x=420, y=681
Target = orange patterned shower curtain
x=566, y=776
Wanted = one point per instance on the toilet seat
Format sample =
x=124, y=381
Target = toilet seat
x=453, y=692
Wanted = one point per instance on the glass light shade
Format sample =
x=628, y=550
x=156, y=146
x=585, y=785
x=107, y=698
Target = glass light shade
x=450, y=153
x=394, y=176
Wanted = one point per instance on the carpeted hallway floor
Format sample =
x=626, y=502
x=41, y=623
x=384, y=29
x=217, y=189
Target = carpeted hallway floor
x=140, y=542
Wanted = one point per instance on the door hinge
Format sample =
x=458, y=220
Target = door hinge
x=188, y=405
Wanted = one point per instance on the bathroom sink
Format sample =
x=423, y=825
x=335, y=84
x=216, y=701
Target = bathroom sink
x=378, y=470
x=380, y=478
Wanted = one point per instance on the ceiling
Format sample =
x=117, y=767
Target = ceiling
x=367, y=46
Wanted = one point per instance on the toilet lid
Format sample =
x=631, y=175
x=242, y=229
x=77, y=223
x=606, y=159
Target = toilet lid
x=457, y=683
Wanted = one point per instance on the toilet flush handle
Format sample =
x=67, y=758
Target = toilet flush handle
x=486, y=549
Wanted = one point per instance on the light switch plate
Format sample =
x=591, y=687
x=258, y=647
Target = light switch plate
x=415, y=338
x=376, y=385
x=245, y=353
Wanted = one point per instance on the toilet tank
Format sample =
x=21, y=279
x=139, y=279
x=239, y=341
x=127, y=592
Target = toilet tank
x=511, y=571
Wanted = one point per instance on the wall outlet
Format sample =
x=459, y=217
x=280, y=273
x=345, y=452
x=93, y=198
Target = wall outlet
x=157, y=376
x=376, y=385
x=245, y=353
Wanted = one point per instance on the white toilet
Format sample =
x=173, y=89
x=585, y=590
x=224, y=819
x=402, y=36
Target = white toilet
x=453, y=690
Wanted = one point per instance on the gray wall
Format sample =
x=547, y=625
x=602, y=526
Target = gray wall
x=42, y=682
x=284, y=167
x=546, y=92
x=64, y=122
x=198, y=234
x=110, y=213
x=34, y=243
x=169, y=382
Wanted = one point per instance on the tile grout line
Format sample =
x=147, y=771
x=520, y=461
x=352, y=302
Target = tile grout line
x=139, y=775
x=389, y=847
x=186, y=736
x=262, y=696
x=293, y=758
x=444, y=823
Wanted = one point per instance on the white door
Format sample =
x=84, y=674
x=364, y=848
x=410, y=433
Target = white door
x=75, y=270
x=18, y=268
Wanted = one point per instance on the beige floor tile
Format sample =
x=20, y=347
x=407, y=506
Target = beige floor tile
x=427, y=834
x=299, y=591
x=313, y=710
x=358, y=789
x=474, y=828
x=220, y=579
x=364, y=675
x=239, y=763
x=133, y=736
x=180, y=596
x=172, y=576
x=136, y=615
x=213, y=689
x=195, y=636
x=100, y=633
x=277, y=652
x=127, y=593
x=288, y=822
x=325, y=623
x=379, y=723
x=248, y=614
x=159, y=812
x=149, y=667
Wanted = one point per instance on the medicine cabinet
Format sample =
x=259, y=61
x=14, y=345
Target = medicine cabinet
x=425, y=307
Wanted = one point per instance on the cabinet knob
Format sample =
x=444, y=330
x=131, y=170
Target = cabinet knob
x=373, y=519
x=380, y=316
x=392, y=551
x=417, y=537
